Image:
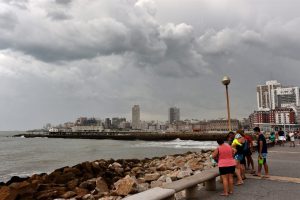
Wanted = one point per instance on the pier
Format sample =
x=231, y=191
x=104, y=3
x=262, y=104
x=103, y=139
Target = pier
x=126, y=135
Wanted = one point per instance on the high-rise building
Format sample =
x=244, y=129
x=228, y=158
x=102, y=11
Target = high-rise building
x=273, y=95
x=107, y=123
x=286, y=97
x=136, y=117
x=174, y=114
x=265, y=95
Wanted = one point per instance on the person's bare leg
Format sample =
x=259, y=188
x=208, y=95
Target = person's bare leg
x=238, y=173
x=252, y=163
x=243, y=171
x=266, y=167
x=259, y=169
x=230, y=183
x=225, y=184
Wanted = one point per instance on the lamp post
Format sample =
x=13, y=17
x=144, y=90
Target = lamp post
x=226, y=81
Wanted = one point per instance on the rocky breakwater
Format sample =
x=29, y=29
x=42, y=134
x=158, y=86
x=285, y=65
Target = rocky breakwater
x=106, y=179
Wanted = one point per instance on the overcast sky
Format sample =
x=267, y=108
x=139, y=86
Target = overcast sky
x=62, y=59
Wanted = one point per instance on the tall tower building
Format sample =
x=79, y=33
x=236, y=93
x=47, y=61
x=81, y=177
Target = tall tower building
x=266, y=95
x=174, y=114
x=136, y=117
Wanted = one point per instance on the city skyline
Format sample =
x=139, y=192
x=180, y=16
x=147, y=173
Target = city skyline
x=63, y=59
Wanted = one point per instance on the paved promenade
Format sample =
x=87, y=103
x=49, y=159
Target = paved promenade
x=284, y=181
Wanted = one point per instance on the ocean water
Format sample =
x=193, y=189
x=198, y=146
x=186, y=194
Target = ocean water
x=26, y=156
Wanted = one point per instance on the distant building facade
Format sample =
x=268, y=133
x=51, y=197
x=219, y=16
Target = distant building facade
x=174, y=114
x=278, y=105
x=222, y=125
x=136, y=121
x=266, y=95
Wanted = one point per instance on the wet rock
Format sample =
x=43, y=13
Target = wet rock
x=101, y=185
x=72, y=170
x=87, y=167
x=7, y=194
x=47, y=194
x=23, y=188
x=72, y=184
x=16, y=179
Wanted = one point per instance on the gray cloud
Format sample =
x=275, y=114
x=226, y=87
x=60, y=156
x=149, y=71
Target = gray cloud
x=63, y=1
x=60, y=62
x=58, y=16
x=8, y=21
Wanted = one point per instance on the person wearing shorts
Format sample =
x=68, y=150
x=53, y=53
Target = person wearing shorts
x=281, y=137
x=238, y=144
x=224, y=153
x=262, y=152
x=292, y=139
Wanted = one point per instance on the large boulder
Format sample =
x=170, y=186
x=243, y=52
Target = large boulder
x=125, y=186
x=180, y=161
x=7, y=193
x=101, y=185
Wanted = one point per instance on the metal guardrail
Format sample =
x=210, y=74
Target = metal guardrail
x=189, y=184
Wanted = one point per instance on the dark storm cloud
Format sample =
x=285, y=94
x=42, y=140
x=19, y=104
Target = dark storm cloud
x=8, y=21
x=63, y=1
x=58, y=16
x=100, y=58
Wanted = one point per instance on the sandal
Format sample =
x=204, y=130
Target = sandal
x=241, y=183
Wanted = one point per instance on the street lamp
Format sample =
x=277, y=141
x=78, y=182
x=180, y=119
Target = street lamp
x=226, y=81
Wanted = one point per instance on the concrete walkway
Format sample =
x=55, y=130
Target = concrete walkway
x=284, y=183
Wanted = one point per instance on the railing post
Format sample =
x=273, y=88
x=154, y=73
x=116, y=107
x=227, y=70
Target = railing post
x=210, y=185
x=191, y=193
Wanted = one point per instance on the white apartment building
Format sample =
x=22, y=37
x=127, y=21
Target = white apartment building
x=286, y=97
x=265, y=95
x=273, y=95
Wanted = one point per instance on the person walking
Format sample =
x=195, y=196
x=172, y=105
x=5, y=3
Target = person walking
x=292, y=139
x=262, y=153
x=281, y=137
x=224, y=153
x=272, y=138
x=238, y=144
x=248, y=152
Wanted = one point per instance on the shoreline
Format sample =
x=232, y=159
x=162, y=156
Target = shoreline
x=107, y=179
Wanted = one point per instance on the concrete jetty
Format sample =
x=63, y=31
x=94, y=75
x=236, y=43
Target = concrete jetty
x=128, y=135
